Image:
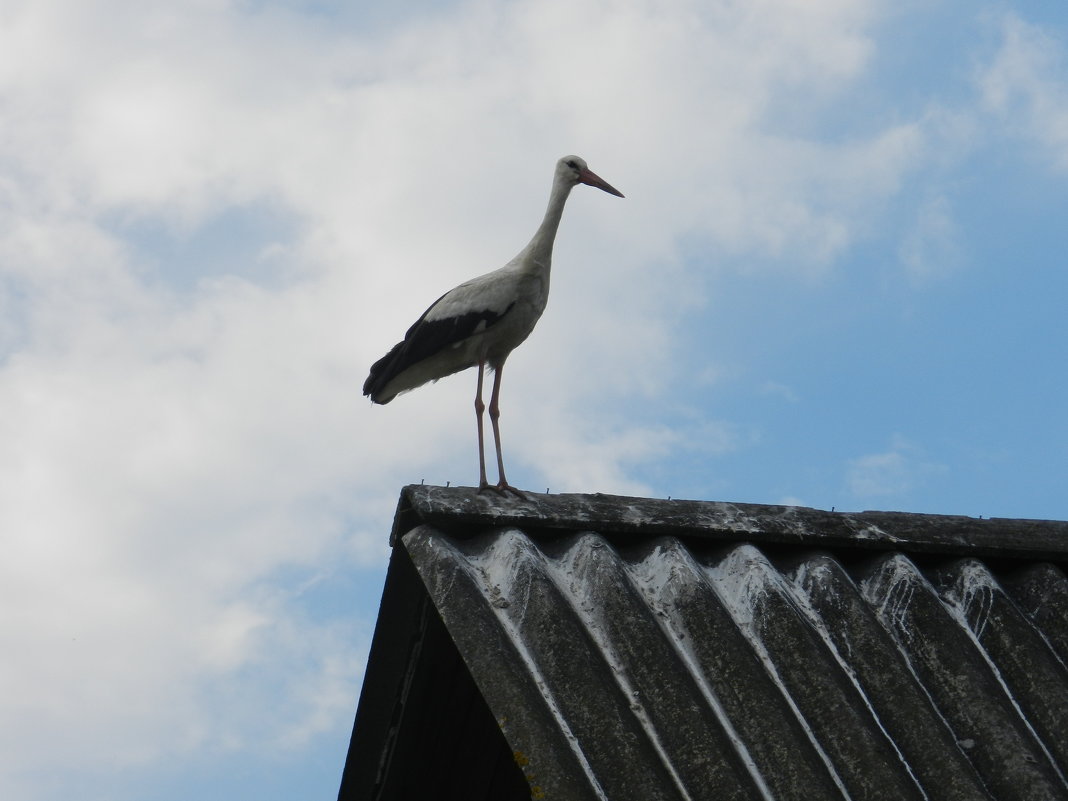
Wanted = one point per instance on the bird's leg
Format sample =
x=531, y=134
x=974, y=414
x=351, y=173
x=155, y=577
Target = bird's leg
x=480, y=407
x=495, y=413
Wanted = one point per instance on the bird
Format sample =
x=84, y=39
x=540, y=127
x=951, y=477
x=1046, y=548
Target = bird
x=481, y=321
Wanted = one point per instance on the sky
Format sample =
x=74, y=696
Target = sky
x=837, y=280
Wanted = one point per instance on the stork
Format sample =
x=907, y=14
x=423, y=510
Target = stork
x=480, y=322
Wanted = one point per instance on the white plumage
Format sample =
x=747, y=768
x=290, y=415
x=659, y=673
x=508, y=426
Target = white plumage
x=483, y=320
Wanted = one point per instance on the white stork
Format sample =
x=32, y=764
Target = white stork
x=483, y=320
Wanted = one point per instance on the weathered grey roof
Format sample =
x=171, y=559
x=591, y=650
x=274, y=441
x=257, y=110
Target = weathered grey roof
x=639, y=649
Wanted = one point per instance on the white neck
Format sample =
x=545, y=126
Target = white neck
x=540, y=249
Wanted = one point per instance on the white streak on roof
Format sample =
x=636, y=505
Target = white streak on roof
x=737, y=520
x=804, y=602
x=975, y=580
x=741, y=581
x=587, y=605
x=495, y=571
x=873, y=532
x=972, y=595
x=890, y=591
x=654, y=576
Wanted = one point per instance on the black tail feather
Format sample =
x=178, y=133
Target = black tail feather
x=382, y=372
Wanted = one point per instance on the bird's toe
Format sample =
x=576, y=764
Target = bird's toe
x=502, y=488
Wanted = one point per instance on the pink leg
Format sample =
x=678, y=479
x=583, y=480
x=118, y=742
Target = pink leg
x=495, y=413
x=480, y=407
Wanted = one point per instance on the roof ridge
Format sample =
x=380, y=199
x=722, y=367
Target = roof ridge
x=464, y=509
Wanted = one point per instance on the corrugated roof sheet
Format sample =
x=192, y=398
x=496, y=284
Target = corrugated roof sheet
x=637, y=649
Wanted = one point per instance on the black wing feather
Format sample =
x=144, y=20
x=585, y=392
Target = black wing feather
x=424, y=339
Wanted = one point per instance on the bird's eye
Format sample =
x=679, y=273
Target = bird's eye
x=572, y=164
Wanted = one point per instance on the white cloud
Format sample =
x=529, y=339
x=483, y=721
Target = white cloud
x=1026, y=85
x=891, y=473
x=932, y=247
x=776, y=389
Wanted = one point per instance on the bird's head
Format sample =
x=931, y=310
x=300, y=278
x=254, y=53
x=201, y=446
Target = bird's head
x=573, y=170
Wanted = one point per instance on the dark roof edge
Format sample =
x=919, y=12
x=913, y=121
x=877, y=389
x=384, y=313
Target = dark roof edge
x=460, y=510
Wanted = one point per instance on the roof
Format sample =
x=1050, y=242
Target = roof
x=603, y=647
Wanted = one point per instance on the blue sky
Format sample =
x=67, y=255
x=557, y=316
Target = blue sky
x=837, y=280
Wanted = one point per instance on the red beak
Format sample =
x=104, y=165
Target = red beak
x=590, y=178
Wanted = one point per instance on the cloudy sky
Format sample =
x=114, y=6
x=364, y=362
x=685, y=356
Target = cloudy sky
x=838, y=279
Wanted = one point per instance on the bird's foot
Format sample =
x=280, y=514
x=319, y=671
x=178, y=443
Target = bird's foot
x=502, y=487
